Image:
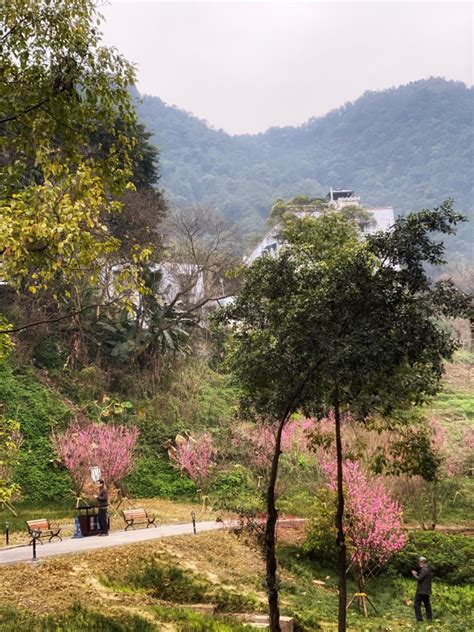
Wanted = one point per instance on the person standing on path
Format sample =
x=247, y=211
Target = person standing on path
x=103, y=502
x=423, y=589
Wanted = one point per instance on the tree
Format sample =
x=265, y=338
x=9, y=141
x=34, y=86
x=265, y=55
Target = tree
x=372, y=522
x=337, y=323
x=59, y=87
x=107, y=446
x=195, y=455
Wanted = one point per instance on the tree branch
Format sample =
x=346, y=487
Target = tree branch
x=59, y=318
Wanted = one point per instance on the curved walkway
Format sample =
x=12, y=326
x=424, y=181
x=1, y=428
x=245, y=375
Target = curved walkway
x=13, y=555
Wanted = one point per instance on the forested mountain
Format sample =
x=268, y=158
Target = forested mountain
x=408, y=147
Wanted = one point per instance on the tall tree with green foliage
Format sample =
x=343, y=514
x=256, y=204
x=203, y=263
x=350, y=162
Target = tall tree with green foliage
x=59, y=87
x=337, y=323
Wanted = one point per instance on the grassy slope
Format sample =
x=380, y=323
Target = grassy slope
x=232, y=575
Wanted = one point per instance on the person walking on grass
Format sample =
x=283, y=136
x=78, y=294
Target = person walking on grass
x=423, y=589
x=103, y=502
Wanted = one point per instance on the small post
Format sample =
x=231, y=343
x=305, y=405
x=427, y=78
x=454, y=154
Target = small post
x=7, y=533
x=193, y=516
x=34, y=536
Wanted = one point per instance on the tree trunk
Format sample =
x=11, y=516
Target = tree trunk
x=272, y=516
x=434, y=505
x=340, y=540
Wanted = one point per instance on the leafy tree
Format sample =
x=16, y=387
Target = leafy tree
x=60, y=86
x=343, y=324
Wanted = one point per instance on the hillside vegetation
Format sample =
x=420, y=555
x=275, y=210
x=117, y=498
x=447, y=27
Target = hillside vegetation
x=408, y=147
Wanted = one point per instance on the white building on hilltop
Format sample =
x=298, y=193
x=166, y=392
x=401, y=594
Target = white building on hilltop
x=337, y=199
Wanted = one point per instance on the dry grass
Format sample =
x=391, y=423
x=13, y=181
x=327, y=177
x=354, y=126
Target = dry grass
x=54, y=585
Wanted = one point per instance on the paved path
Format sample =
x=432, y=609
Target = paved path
x=17, y=554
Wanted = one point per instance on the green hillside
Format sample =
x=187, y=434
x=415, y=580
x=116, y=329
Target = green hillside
x=408, y=147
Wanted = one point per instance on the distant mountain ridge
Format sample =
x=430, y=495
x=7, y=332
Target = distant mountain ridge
x=409, y=147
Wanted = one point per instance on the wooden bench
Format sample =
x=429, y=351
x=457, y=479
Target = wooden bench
x=135, y=517
x=45, y=529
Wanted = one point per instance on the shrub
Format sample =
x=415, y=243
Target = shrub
x=320, y=541
x=154, y=476
x=39, y=412
x=233, y=491
x=169, y=583
x=450, y=556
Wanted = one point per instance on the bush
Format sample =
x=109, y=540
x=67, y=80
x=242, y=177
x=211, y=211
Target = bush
x=450, y=556
x=233, y=491
x=169, y=583
x=39, y=412
x=153, y=476
x=320, y=541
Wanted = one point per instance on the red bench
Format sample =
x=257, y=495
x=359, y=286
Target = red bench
x=45, y=528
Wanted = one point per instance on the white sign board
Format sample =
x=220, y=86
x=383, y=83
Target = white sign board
x=95, y=473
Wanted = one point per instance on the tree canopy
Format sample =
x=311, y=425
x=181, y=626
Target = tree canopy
x=338, y=323
x=59, y=87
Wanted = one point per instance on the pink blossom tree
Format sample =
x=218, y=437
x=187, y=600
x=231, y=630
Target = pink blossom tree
x=195, y=456
x=255, y=443
x=372, y=521
x=107, y=446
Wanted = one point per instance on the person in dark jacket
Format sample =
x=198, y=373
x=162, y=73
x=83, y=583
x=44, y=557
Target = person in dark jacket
x=103, y=503
x=423, y=589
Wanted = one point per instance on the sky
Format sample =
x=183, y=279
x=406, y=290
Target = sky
x=248, y=66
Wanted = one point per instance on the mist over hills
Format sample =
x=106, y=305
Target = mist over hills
x=409, y=147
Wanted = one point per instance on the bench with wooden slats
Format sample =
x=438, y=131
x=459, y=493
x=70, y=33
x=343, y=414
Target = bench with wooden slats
x=137, y=517
x=45, y=529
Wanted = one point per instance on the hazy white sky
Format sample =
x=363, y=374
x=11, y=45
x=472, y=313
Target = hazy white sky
x=247, y=66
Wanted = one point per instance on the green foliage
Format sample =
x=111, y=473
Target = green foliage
x=169, y=583
x=311, y=597
x=10, y=441
x=412, y=454
x=454, y=405
x=407, y=147
x=38, y=412
x=57, y=510
x=190, y=621
x=234, y=491
x=450, y=556
x=154, y=476
x=192, y=397
x=320, y=543
x=47, y=354
x=463, y=356
x=77, y=619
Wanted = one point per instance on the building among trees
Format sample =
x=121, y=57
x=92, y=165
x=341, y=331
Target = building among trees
x=370, y=219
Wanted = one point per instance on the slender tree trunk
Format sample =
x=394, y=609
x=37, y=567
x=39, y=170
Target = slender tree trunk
x=272, y=516
x=434, y=505
x=340, y=540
